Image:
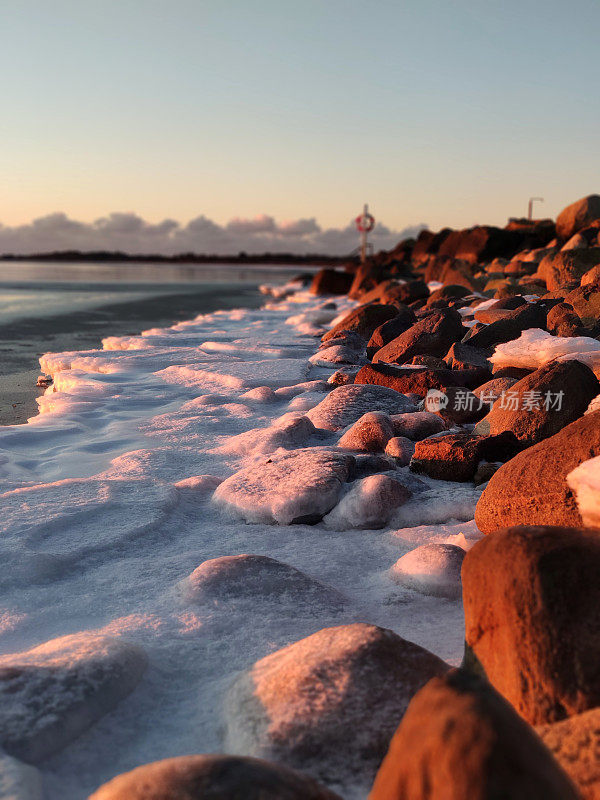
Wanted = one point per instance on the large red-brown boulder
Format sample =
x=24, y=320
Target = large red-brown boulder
x=362, y=320
x=460, y=740
x=585, y=301
x=532, y=489
x=577, y=216
x=394, y=292
x=212, y=777
x=532, y=315
x=330, y=281
x=433, y=335
x=455, y=457
x=566, y=268
x=531, y=597
x=575, y=744
x=562, y=320
x=391, y=329
x=541, y=404
x=408, y=380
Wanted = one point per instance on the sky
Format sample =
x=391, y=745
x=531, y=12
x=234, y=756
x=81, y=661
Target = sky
x=252, y=123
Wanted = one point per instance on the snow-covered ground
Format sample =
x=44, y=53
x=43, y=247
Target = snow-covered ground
x=107, y=510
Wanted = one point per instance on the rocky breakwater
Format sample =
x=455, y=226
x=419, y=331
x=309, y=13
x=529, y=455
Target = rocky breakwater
x=470, y=360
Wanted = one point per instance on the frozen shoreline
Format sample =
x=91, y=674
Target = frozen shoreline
x=105, y=516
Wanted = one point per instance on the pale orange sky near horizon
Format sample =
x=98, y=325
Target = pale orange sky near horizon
x=430, y=113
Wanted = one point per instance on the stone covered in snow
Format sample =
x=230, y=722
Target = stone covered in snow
x=584, y=481
x=535, y=347
x=369, y=504
x=288, y=432
x=301, y=486
x=329, y=703
x=371, y=432
x=19, y=781
x=212, y=777
x=52, y=693
x=347, y=404
x=417, y=425
x=401, y=449
x=432, y=569
x=252, y=577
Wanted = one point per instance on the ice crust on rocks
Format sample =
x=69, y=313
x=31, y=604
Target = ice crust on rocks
x=535, y=347
x=431, y=569
x=584, y=480
x=54, y=692
x=252, y=577
x=369, y=504
x=297, y=705
x=297, y=486
x=107, y=508
x=347, y=404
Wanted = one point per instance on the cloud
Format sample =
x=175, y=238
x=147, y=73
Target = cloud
x=130, y=233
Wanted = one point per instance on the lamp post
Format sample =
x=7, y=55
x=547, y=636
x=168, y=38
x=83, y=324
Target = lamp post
x=531, y=201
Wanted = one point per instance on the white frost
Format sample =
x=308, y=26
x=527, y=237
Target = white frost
x=584, y=480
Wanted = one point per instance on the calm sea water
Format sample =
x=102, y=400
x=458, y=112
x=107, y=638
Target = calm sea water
x=54, y=307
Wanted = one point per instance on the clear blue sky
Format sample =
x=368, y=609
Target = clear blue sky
x=432, y=111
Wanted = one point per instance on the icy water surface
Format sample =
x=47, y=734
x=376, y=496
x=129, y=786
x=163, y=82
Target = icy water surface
x=55, y=306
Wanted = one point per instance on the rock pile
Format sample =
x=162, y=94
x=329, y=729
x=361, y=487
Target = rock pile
x=471, y=357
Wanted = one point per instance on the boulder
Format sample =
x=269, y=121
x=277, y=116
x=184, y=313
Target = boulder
x=447, y=293
x=455, y=405
x=472, y=360
x=330, y=281
x=491, y=391
x=391, y=329
x=460, y=739
x=417, y=425
x=253, y=577
x=54, y=692
x=592, y=276
x=366, y=277
x=371, y=433
x=532, y=315
x=454, y=457
x=362, y=320
x=432, y=335
x=296, y=487
x=369, y=504
x=567, y=267
x=562, y=320
x=346, y=404
x=397, y=293
x=432, y=569
x=577, y=216
x=408, y=380
x=575, y=744
x=401, y=449
x=532, y=489
x=585, y=301
x=329, y=703
x=541, y=404
x=212, y=777
x=532, y=618
x=499, y=310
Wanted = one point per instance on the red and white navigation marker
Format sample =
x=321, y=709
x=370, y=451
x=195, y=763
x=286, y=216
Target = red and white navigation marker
x=365, y=223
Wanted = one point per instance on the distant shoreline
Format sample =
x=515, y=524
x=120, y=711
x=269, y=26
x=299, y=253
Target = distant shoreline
x=104, y=256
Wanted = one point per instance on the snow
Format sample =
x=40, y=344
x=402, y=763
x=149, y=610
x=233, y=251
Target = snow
x=535, y=347
x=52, y=693
x=347, y=404
x=287, y=488
x=584, y=480
x=19, y=781
x=431, y=569
x=369, y=503
x=144, y=460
